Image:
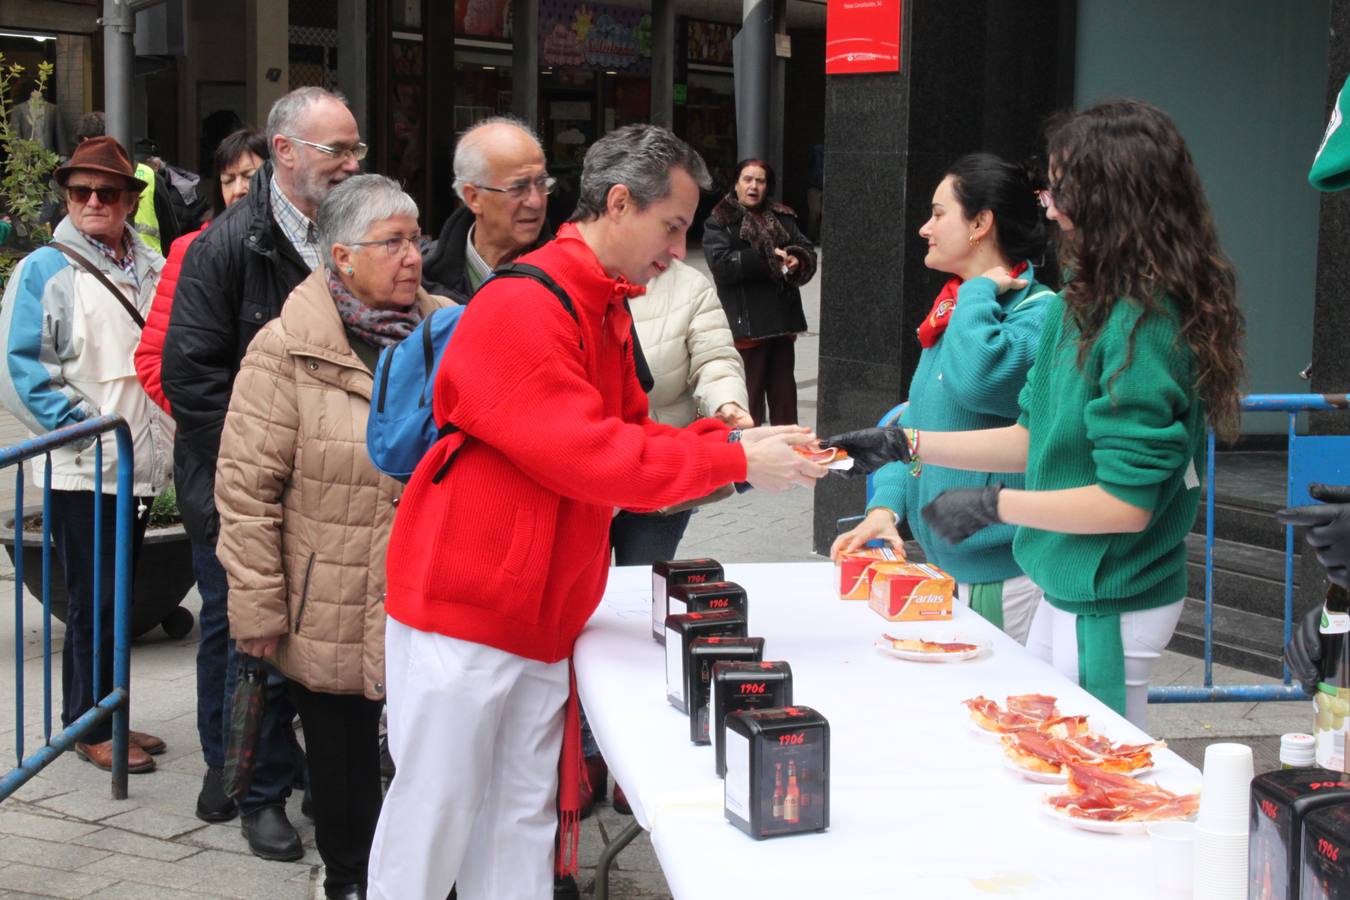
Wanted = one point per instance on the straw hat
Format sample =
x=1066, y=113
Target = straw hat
x=101, y=154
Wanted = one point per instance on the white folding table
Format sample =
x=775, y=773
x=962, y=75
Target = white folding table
x=920, y=805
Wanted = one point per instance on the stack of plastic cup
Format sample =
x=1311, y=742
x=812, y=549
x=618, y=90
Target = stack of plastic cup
x=1221, y=827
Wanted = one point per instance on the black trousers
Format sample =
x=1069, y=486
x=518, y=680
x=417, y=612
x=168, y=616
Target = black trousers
x=73, y=540
x=342, y=743
x=770, y=377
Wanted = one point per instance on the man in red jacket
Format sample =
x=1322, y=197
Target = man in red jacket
x=498, y=558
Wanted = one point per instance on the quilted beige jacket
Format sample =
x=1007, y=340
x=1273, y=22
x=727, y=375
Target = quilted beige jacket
x=687, y=342
x=304, y=516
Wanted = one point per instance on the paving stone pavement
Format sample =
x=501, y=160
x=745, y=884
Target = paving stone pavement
x=62, y=835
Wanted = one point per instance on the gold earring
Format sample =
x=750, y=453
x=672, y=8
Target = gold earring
x=974, y=241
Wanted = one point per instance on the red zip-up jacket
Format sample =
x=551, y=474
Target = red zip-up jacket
x=149, y=352
x=511, y=548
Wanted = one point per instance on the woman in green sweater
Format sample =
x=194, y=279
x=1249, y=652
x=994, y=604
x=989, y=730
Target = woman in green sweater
x=978, y=343
x=1141, y=349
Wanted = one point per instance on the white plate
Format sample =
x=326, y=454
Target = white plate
x=1126, y=826
x=1048, y=778
x=919, y=656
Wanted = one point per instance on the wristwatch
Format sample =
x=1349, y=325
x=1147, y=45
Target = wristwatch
x=734, y=436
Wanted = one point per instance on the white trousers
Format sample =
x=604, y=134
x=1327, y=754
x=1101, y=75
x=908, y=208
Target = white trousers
x=1143, y=634
x=475, y=733
x=1020, y=598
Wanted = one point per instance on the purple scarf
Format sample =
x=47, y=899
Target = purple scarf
x=380, y=327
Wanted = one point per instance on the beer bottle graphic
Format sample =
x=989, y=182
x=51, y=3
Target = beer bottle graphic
x=792, y=802
x=778, y=790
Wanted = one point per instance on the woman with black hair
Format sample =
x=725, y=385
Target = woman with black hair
x=1139, y=352
x=759, y=258
x=978, y=343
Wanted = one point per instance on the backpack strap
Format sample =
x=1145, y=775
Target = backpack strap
x=94, y=270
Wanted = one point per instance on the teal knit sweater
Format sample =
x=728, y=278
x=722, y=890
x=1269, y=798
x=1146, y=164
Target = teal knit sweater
x=1137, y=431
x=968, y=380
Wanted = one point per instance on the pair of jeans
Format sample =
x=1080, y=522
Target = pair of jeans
x=640, y=539
x=217, y=669
x=342, y=744
x=72, y=528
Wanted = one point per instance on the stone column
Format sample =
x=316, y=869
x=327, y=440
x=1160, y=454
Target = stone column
x=525, y=60
x=888, y=139
x=266, y=48
x=663, y=63
x=353, y=71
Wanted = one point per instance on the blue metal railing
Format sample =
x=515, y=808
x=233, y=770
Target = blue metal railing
x=1293, y=404
x=115, y=702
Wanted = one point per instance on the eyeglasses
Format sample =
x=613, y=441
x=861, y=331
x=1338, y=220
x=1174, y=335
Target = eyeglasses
x=81, y=193
x=395, y=247
x=519, y=190
x=357, y=152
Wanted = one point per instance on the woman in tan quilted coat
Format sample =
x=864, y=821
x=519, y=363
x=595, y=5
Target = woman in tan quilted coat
x=305, y=517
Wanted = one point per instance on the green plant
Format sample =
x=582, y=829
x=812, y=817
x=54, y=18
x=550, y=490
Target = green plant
x=26, y=183
x=164, y=510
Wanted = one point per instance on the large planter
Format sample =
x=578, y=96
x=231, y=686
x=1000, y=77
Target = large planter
x=164, y=576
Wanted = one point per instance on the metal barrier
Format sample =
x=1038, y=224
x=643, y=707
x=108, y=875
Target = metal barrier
x=115, y=703
x=1305, y=452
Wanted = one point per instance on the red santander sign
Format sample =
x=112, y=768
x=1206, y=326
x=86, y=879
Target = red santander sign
x=862, y=36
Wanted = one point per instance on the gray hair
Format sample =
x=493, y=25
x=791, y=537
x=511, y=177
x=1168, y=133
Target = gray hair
x=351, y=208
x=639, y=157
x=288, y=113
x=471, y=156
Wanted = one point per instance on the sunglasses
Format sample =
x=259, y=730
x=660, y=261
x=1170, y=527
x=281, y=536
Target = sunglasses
x=81, y=193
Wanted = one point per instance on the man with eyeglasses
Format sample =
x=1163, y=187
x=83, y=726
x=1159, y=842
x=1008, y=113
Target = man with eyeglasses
x=234, y=280
x=69, y=324
x=501, y=177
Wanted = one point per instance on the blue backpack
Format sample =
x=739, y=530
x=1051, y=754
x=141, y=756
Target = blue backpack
x=401, y=427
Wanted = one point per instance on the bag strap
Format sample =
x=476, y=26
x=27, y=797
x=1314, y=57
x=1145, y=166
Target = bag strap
x=103, y=280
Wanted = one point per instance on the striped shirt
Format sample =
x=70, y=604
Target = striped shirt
x=297, y=227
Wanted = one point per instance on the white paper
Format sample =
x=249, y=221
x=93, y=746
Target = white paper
x=675, y=666
x=738, y=775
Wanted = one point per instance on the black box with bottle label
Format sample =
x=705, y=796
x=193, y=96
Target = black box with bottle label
x=681, y=632
x=710, y=597
x=1280, y=801
x=741, y=685
x=778, y=771
x=669, y=573
x=1325, y=872
x=704, y=653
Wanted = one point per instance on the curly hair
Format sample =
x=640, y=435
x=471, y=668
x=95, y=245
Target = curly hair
x=1142, y=228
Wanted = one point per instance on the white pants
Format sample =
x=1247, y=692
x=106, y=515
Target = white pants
x=475, y=733
x=1143, y=634
x=1020, y=598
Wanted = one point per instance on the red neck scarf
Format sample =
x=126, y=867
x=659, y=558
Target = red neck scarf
x=935, y=323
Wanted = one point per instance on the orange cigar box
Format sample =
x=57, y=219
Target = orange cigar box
x=911, y=592
x=855, y=570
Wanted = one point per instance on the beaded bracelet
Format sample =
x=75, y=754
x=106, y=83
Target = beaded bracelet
x=913, y=437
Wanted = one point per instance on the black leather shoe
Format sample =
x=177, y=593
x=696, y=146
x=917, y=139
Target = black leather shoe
x=386, y=760
x=270, y=834
x=345, y=892
x=213, y=804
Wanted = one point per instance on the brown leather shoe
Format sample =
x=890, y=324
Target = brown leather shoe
x=620, y=801
x=101, y=755
x=147, y=742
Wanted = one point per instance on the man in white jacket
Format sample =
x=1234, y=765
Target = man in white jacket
x=68, y=357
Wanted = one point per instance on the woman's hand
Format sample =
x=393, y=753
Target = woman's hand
x=770, y=462
x=751, y=435
x=734, y=414
x=1003, y=280
x=871, y=448
x=879, y=524
x=786, y=260
x=259, y=647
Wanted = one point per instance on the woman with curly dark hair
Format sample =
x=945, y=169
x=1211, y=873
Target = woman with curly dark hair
x=1140, y=351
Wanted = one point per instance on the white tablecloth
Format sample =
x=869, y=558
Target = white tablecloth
x=920, y=806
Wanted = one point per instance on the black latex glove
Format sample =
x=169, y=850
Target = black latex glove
x=957, y=514
x=1328, y=526
x=1304, y=650
x=870, y=448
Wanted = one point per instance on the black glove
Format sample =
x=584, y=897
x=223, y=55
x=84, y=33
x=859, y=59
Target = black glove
x=1328, y=528
x=1304, y=651
x=870, y=448
x=957, y=514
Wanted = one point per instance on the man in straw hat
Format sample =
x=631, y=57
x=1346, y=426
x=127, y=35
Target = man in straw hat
x=68, y=341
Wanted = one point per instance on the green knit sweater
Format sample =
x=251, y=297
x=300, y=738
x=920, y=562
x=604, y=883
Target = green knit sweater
x=967, y=381
x=1138, y=432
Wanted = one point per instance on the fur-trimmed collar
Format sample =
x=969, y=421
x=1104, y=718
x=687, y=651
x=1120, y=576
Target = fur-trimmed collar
x=729, y=209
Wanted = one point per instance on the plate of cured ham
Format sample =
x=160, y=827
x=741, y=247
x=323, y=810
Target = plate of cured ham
x=1112, y=803
x=1046, y=757
x=1023, y=712
x=834, y=458
x=917, y=649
